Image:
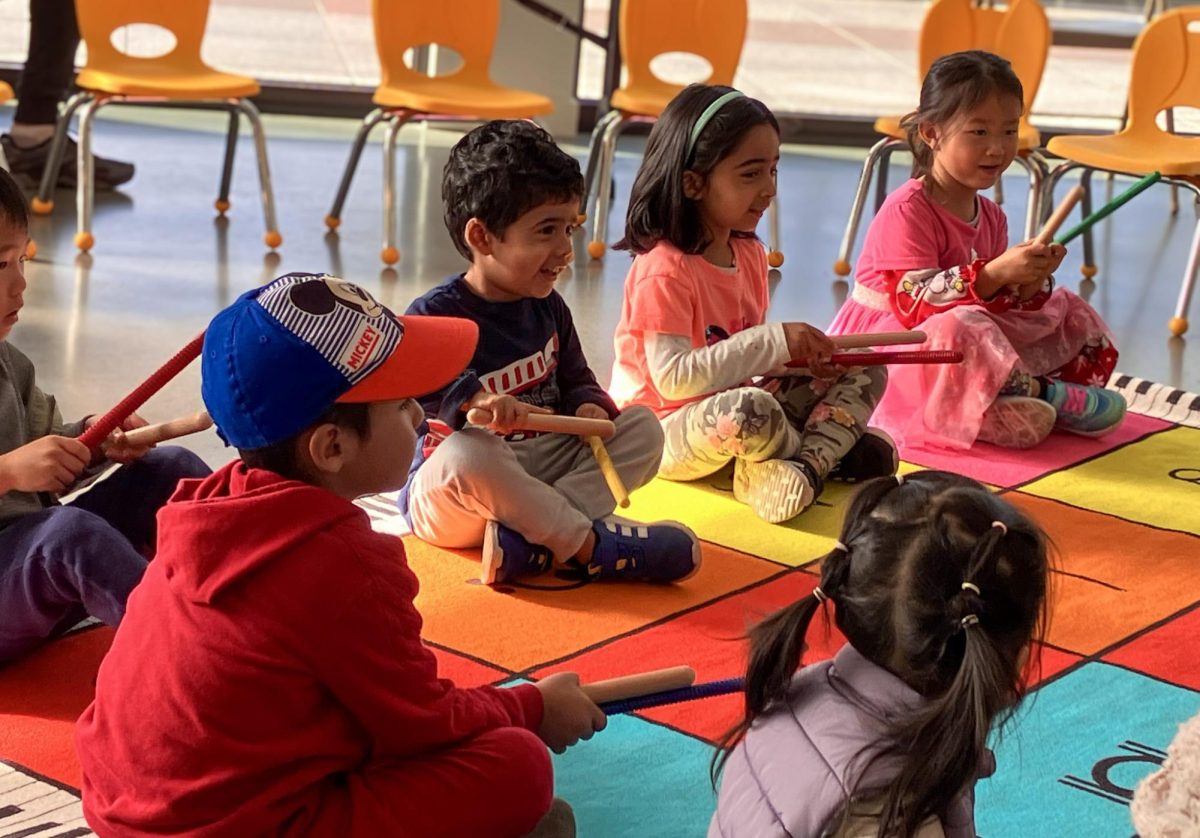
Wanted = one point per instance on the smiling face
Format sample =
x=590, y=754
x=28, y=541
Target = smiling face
x=739, y=189
x=973, y=149
x=13, y=241
x=526, y=260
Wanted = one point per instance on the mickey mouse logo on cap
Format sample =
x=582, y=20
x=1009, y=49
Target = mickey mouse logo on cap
x=322, y=297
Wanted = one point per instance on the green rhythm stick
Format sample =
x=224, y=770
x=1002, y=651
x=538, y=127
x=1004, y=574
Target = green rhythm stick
x=1109, y=208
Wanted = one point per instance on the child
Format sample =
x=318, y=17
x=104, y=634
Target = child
x=939, y=587
x=512, y=198
x=269, y=677
x=691, y=334
x=936, y=257
x=61, y=563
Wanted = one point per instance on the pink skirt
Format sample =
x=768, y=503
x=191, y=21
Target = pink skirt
x=942, y=405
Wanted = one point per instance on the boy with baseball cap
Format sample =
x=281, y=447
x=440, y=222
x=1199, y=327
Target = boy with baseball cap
x=269, y=676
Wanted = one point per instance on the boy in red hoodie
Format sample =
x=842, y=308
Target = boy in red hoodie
x=269, y=676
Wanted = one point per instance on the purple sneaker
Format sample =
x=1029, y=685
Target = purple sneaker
x=662, y=552
x=507, y=555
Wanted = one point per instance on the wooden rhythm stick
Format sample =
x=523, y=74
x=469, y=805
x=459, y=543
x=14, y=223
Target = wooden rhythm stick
x=874, y=359
x=184, y=425
x=615, y=485
x=877, y=339
x=1111, y=207
x=1056, y=219
x=643, y=683
x=551, y=423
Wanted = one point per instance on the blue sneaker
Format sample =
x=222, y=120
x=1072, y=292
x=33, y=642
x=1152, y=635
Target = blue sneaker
x=1087, y=411
x=663, y=552
x=507, y=555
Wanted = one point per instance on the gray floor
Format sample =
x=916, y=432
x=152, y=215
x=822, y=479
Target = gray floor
x=96, y=325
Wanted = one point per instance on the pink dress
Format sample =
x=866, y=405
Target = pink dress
x=1054, y=334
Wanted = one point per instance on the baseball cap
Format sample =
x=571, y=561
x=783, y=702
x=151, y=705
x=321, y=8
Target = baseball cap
x=281, y=355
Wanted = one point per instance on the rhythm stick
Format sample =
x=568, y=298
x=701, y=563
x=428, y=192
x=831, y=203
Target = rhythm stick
x=877, y=339
x=105, y=425
x=873, y=359
x=1059, y=215
x=619, y=492
x=675, y=696
x=551, y=423
x=154, y=434
x=1109, y=208
x=641, y=684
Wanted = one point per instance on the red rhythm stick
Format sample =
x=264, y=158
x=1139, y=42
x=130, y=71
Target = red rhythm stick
x=871, y=359
x=105, y=425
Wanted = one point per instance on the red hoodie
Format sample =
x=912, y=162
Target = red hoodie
x=272, y=646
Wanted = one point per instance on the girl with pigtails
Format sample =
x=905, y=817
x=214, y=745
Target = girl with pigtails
x=940, y=589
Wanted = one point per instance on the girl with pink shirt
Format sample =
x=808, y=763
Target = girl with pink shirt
x=936, y=258
x=692, y=343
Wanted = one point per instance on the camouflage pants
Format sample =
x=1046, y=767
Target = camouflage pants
x=794, y=417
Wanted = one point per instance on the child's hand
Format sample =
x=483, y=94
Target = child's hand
x=49, y=464
x=587, y=410
x=569, y=715
x=1057, y=253
x=813, y=347
x=507, y=412
x=1019, y=266
x=117, y=447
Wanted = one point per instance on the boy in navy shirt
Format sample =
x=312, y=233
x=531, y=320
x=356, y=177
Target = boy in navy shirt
x=532, y=500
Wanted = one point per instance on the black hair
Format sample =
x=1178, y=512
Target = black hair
x=658, y=208
x=929, y=588
x=13, y=207
x=281, y=457
x=955, y=83
x=500, y=171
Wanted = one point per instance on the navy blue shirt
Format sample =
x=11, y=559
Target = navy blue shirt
x=528, y=348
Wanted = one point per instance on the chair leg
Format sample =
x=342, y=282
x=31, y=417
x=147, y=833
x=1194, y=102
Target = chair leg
x=1179, y=323
x=1037, y=172
x=594, y=146
x=272, y=237
x=1170, y=124
x=608, y=149
x=1088, y=268
x=334, y=218
x=998, y=191
x=390, y=254
x=86, y=170
x=43, y=202
x=231, y=139
x=841, y=267
x=774, y=252
x=881, y=175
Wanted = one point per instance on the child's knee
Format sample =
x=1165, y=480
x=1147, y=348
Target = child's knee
x=80, y=535
x=472, y=452
x=640, y=422
x=751, y=415
x=528, y=772
x=175, y=463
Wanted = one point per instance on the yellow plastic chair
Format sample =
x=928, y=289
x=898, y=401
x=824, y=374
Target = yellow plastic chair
x=1021, y=34
x=712, y=29
x=1165, y=74
x=179, y=77
x=404, y=95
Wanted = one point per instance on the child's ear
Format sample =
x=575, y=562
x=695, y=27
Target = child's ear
x=328, y=448
x=478, y=237
x=693, y=185
x=928, y=132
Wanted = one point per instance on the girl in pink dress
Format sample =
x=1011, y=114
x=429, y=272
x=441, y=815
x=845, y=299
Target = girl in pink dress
x=936, y=258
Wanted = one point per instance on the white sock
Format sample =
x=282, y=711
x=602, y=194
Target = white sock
x=27, y=135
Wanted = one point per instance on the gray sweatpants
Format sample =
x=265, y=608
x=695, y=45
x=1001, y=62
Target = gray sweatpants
x=548, y=488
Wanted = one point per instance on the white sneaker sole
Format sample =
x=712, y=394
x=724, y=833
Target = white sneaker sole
x=492, y=557
x=776, y=490
x=1017, y=422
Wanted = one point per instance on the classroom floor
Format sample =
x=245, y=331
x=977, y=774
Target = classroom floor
x=96, y=325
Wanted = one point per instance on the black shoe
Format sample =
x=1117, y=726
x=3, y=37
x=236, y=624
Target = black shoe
x=26, y=165
x=874, y=455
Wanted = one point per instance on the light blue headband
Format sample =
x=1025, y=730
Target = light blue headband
x=708, y=114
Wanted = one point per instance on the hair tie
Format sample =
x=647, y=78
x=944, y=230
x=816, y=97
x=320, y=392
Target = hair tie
x=971, y=586
x=821, y=596
x=968, y=621
x=706, y=116
x=837, y=545
x=1000, y=525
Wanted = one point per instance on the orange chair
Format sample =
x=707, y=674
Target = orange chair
x=468, y=27
x=712, y=29
x=1165, y=74
x=1021, y=34
x=179, y=77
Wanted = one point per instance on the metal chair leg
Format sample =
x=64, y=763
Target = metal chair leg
x=1170, y=124
x=1088, y=268
x=1179, y=323
x=608, y=149
x=272, y=238
x=594, y=146
x=85, y=178
x=390, y=254
x=998, y=191
x=841, y=267
x=1036, y=169
x=774, y=253
x=334, y=218
x=231, y=139
x=43, y=202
